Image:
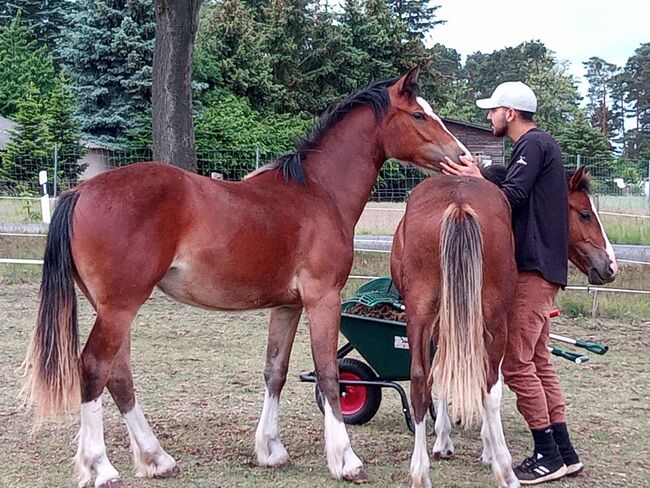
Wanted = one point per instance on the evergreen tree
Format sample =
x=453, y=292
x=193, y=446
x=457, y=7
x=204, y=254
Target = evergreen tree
x=65, y=132
x=599, y=75
x=21, y=62
x=418, y=15
x=637, y=70
x=27, y=151
x=108, y=53
x=579, y=137
x=230, y=53
x=44, y=18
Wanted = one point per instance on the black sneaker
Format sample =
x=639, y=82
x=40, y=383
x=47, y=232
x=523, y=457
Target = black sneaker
x=539, y=469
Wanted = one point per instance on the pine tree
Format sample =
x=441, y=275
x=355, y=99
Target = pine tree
x=637, y=70
x=65, y=132
x=44, y=18
x=27, y=151
x=108, y=53
x=21, y=62
x=418, y=15
x=579, y=137
x=599, y=75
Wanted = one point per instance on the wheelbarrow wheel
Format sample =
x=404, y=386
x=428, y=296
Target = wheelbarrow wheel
x=359, y=403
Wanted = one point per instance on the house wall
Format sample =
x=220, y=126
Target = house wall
x=479, y=141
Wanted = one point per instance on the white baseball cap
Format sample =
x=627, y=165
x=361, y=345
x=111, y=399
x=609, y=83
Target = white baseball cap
x=511, y=94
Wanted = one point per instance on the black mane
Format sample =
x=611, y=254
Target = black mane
x=374, y=95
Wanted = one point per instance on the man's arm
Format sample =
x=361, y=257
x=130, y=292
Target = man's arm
x=522, y=172
x=465, y=168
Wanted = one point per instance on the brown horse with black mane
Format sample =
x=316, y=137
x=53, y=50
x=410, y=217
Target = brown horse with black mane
x=453, y=262
x=281, y=239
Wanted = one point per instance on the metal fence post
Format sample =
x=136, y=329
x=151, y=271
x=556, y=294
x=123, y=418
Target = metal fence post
x=56, y=168
x=257, y=157
x=578, y=161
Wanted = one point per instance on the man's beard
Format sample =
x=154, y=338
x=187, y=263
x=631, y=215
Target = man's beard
x=500, y=131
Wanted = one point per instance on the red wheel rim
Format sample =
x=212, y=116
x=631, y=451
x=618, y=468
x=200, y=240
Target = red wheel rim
x=353, y=397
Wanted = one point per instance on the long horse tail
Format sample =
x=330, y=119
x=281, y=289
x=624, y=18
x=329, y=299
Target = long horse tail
x=460, y=363
x=52, y=365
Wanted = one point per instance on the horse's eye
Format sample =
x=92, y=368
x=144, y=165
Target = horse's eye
x=418, y=116
x=585, y=215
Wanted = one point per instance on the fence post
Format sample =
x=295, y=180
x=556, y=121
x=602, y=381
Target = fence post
x=45, y=198
x=56, y=168
x=257, y=157
x=578, y=161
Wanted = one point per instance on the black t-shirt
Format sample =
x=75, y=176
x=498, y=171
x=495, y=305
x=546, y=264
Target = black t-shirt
x=536, y=187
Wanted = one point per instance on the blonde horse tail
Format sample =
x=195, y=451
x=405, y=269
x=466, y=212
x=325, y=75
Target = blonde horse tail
x=51, y=367
x=460, y=363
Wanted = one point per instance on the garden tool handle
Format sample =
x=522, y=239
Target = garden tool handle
x=570, y=356
x=595, y=347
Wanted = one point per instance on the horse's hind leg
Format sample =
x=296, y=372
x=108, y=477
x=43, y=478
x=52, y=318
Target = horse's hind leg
x=282, y=330
x=324, y=311
x=106, y=338
x=150, y=459
x=418, y=328
x=494, y=441
x=443, y=447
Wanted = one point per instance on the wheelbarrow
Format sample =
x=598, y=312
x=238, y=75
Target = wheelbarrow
x=383, y=344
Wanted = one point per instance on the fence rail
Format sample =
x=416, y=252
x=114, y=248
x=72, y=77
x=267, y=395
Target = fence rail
x=610, y=177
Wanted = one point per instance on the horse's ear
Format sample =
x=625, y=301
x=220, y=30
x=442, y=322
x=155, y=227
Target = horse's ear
x=407, y=85
x=578, y=177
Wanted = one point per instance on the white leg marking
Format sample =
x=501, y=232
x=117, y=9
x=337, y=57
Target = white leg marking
x=149, y=458
x=268, y=446
x=91, y=454
x=492, y=431
x=610, y=250
x=341, y=459
x=420, y=461
x=443, y=446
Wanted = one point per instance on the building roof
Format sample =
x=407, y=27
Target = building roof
x=447, y=120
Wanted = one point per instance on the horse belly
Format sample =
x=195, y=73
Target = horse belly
x=222, y=291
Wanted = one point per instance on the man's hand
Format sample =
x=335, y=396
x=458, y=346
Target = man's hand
x=465, y=168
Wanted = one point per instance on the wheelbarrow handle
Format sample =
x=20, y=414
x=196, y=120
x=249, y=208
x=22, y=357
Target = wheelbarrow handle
x=595, y=347
x=568, y=355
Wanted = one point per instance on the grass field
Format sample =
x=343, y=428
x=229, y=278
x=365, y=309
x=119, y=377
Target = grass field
x=198, y=376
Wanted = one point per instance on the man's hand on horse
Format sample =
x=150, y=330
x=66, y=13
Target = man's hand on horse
x=465, y=168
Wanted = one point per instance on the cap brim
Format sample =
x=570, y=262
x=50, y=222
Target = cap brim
x=486, y=103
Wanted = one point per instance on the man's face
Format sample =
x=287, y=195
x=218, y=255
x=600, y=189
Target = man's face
x=498, y=118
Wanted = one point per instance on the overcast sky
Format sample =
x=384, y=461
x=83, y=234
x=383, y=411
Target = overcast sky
x=574, y=29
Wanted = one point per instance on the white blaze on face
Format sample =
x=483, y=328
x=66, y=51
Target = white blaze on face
x=429, y=111
x=608, y=246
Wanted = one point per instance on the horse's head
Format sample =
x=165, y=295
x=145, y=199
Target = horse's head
x=413, y=132
x=589, y=248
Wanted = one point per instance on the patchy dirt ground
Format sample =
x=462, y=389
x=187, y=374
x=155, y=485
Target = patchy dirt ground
x=199, y=378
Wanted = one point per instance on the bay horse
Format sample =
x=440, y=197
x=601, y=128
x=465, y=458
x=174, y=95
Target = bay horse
x=453, y=262
x=280, y=239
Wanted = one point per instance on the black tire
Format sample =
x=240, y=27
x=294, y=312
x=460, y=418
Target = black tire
x=363, y=401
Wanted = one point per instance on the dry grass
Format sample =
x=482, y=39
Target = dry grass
x=199, y=378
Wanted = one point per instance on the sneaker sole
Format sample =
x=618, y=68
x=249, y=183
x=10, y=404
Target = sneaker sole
x=574, y=469
x=549, y=477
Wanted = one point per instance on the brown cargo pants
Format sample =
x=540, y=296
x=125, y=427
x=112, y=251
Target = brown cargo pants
x=527, y=367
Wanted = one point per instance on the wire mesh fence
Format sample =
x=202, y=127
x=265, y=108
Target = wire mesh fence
x=19, y=178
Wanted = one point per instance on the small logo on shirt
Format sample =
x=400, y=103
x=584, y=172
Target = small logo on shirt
x=521, y=160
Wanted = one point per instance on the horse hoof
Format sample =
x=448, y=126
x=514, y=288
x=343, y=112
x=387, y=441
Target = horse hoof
x=114, y=483
x=437, y=455
x=173, y=472
x=359, y=476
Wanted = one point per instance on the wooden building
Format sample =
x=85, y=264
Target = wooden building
x=478, y=139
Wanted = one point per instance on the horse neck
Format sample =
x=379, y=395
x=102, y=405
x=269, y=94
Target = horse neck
x=346, y=163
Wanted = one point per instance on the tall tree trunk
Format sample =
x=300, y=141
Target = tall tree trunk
x=173, y=130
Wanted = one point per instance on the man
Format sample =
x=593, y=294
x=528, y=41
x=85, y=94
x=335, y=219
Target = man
x=535, y=186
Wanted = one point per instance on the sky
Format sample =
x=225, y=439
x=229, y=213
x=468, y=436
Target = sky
x=574, y=29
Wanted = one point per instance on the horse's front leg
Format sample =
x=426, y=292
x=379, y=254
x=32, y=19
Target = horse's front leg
x=149, y=457
x=282, y=330
x=324, y=312
x=418, y=331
